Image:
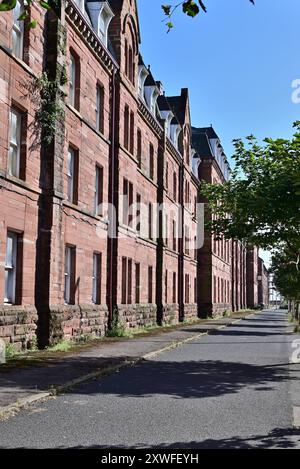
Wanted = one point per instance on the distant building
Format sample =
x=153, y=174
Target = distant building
x=263, y=284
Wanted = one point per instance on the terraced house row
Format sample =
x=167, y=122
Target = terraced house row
x=99, y=183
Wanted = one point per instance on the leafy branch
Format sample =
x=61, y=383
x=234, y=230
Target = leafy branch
x=7, y=5
x=189, y=7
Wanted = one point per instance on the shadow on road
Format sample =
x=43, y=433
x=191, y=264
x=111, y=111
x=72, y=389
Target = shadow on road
x=279, y=438
x=188, y=379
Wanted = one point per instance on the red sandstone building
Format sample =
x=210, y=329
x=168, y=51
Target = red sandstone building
x=98, y=199
x=222, y=267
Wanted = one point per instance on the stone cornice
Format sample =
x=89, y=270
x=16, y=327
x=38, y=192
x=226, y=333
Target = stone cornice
x=150, y=119
x=76, y=18
x=172, y=150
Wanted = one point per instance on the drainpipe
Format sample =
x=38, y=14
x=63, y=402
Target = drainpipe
x=111, y=214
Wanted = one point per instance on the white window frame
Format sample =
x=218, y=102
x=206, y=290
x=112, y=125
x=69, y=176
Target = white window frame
x=99, y=106
x=10, y=268
x=72, y=80
x=68, y=274
x=104, y=19
x=70, y=174
x=97, y=209
x=95, y=276
x=18, y=31
x=14, y=144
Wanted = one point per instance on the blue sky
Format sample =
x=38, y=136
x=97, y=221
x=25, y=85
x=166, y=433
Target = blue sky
x=238, y=63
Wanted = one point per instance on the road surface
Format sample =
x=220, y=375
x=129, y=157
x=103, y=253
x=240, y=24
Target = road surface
x=232, y=389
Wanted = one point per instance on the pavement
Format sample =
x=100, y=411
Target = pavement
x=21, y=386
x=234, y=388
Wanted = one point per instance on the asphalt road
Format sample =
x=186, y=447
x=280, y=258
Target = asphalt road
x=232, y=389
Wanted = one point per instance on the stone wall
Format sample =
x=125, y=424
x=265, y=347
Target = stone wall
x=72, y=321
x=137, y=315
x=18, y=325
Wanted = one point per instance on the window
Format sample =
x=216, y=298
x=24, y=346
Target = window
x=99, y=108
x=215, y=290
x=137, y=282
x=72, y=175
x=195, y=206
x=126, y=290
x=174, y=234
x=150, y=284
x=18, y=31
x=70, y=263
x=187, y=288
x=187, y=240
x=166, y=229
x=167, y=176
x=14, y=143
x=138, y=213
x=126, y=127
x=126, y=58
x=13, y=269
x=124, y=281
x=105, y=18
x=195, y=290
x=174, y=287
x=139, y=147
x=127, y=202
x=222, y=290
x=131, y=70
x=195, y=248
x=99, y=191
x=97, y=261
x=129, y=291
x=150, y=221
x=166, y=287
x=74, y=74
x=174, y=187
x=129, y=62
x=131, y=132
x=151, y=161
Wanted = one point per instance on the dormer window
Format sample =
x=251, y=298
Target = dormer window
x=104, y=19
x=101, y=16
x=80, y=4
x=175, y=131
x=143, y=73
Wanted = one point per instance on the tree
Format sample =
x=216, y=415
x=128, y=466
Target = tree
x=287, y=277
x=189, y=7
x=260, y=203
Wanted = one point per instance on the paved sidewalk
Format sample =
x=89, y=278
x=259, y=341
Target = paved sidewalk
x=22, y=386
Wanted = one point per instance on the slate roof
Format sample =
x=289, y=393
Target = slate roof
x=201, y=144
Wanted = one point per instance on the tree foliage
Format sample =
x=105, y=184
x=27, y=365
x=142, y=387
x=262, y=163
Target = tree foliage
x=286, y=273
x=189, y=7
x=260, y=203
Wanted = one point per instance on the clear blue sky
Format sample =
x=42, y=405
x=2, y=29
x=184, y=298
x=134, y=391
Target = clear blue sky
x=238, y=63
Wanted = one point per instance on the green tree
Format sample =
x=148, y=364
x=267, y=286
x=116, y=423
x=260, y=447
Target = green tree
x=189, y=7
x=260, y=203
x=287, y=276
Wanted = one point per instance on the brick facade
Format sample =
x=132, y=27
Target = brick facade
x=68, y=261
